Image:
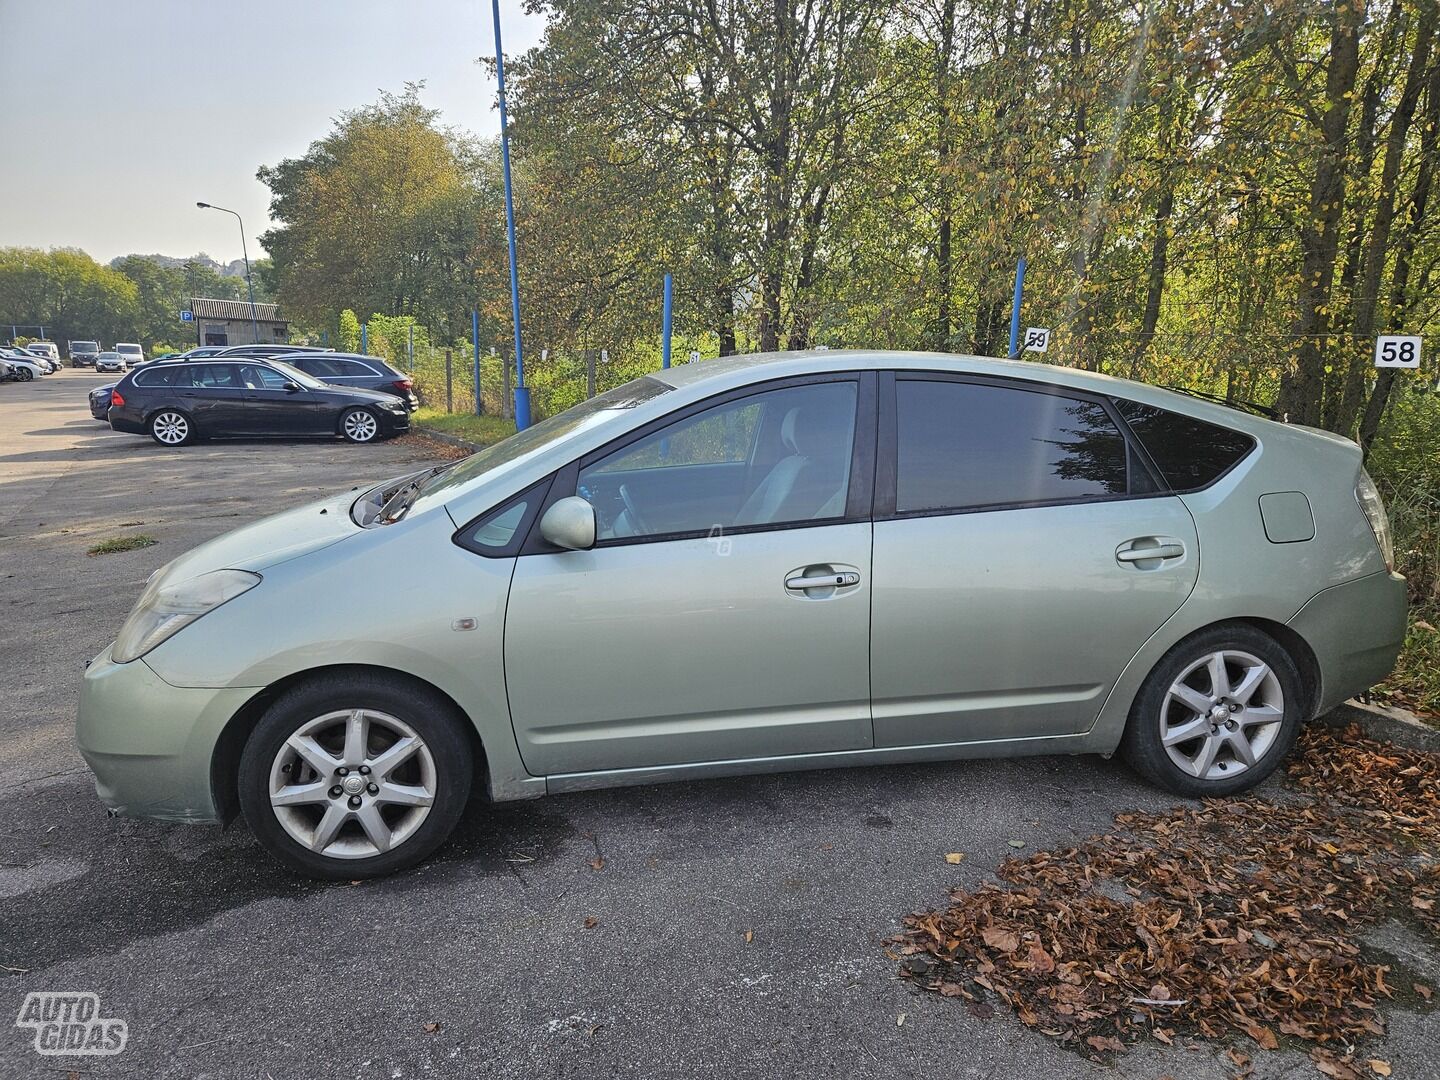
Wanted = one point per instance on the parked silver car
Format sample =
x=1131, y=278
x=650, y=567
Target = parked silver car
x=757, y=564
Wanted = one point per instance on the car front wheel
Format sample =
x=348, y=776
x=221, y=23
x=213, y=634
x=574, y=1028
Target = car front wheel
x=359, y=425
x=355, y=777
x=1217, y=715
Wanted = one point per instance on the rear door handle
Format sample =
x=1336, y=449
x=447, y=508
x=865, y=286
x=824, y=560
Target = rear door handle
x=839, y=579
x=1157, y=551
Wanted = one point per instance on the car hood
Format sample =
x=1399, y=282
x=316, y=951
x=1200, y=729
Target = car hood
x=373, y=397
x=271, y=540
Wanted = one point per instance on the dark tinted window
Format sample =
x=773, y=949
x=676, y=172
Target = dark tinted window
x=225, y=376
x=164, y=376
x=963, y=445
x=1190, y=453
x=355, y=368
x=320, y=367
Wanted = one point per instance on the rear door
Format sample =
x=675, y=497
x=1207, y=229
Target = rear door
x=1023, y=554
x=215, y=399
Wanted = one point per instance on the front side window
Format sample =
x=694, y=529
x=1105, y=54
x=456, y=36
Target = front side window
x=1189, y=453
x=263, y=378
x=779, y=457
x=965, y=445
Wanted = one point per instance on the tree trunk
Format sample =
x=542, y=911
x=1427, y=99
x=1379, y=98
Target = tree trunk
x=943, y=271
x=1404, y=256
x=1369, y=285
x=1301, y=386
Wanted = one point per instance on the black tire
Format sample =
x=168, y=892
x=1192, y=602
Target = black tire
x=171, y=427
x=24, y=374
x=360, y=425
x=433, y=719
x=1154, y=711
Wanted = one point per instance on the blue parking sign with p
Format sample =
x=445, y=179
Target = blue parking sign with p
x=187, y=316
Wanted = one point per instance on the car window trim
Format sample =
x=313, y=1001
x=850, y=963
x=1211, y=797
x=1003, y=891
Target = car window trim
x=462, y=537
x=859, y=499
x=887, y=456
x=1154, y=466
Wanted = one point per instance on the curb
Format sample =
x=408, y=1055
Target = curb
x=1384, y=722
x=443, y=437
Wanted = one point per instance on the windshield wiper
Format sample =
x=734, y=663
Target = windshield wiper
x=1234, y=403
x=398, y=502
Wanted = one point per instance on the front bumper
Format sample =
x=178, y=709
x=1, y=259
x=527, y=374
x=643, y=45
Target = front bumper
x=150, y=744
x=1356, y=630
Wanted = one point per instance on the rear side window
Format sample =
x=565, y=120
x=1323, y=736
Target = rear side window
x=321, y=368
x=162, y=376
x=965, y=445
x=1190, y=453
x=355, y=368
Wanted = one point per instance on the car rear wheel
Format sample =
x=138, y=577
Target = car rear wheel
x=170, y=427
x=360, y=425
x=355, y=777
x=1217, y=715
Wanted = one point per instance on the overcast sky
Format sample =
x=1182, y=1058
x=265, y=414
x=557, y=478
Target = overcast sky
x=116, y=116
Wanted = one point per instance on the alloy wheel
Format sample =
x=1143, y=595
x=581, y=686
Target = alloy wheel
x=360, y=425
x=1222, y=715
x=352, y=784
x=170, y=428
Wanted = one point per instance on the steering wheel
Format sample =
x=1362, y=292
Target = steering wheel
x=636, y=521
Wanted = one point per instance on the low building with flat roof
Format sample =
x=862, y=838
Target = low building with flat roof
x=230, y=322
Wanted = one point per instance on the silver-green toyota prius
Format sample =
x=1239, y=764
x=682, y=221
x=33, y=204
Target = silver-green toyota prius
x=749, y=565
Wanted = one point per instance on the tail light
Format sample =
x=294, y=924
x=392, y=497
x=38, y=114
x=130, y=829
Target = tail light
x=116, y=399
x=1368, y=496
x=403, y=385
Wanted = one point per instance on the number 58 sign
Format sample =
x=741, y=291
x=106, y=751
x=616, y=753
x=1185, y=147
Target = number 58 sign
x=1397, y=351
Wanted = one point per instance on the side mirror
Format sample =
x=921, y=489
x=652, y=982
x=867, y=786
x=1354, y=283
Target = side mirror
x=292, y=388
x=570, y=524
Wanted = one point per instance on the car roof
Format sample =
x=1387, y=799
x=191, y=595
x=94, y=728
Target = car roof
x=331, y=355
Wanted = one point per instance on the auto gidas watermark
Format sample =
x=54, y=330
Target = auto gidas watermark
x=68, y=1022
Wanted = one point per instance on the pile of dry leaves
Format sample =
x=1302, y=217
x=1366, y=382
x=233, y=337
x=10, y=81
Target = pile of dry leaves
x=1238, y=917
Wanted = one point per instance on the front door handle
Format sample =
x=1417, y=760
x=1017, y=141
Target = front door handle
x=1151, y=550
x=838, y=580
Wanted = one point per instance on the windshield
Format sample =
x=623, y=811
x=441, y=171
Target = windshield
x=631, y=394
x=297, y=375
x=84, y=346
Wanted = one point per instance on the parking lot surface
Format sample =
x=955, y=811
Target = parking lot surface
x=739, y=923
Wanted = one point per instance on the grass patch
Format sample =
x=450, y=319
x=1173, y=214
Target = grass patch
x=483, y=430
x=122, y=543
x=1415, y=682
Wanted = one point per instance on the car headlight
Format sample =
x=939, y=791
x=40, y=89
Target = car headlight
x=1368, y=496
x=162, y=612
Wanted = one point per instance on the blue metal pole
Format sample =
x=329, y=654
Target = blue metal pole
x=365, y=338
x=475, y=339
x=1015, y=308
x=665, y=323
x=325, y=338
x=522, y=393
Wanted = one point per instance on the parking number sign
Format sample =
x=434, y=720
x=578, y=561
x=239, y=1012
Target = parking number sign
x=1397, y=350
x=1037, y=339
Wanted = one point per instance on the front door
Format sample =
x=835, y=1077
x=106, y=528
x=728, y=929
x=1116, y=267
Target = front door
x=1022, y=556
x=724, y=612
x=276, y=410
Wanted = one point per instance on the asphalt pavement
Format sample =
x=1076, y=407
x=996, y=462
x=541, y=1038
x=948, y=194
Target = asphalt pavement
x=740, y=923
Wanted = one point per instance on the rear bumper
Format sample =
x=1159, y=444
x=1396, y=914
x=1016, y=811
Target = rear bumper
x=150, y=744
x=124, y=420
x=1356, y=631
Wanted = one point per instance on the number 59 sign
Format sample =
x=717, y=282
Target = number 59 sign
x=1397, y=351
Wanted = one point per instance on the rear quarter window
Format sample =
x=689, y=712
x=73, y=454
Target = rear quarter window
x=1189, y=453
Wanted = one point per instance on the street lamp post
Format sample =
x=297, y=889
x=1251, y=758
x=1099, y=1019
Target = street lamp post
x=249, y=285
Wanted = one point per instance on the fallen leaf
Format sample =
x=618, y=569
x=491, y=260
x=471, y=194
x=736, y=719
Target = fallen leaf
x=597, y=863
x=1378, y=1067
x=1016, y=843
x=955, y=857
x=1160, y=992
x=591, y=922
x=1106, y=1042
x=749, y=936
x=1237, y=1058
x=1420, y=904
x=997, y=938
x=900, y=1020
x=432, y=1028
x=1424, y=991
x=980, y=1010
x=590, y=1031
